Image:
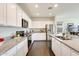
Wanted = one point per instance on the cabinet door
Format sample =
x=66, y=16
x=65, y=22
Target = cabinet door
x=2, y=13
x=11, y=14
x=38, y=36
x=74, y=53
x=24, y=15
x=53, y=45
x=5, y=12
x=11, y=52
x=19, y=16
x=22, y=48
x=58, y=48
x=65, y=51
x=25, y=48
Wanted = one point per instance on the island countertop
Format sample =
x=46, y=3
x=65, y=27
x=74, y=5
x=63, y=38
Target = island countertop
x=73, y=43
x=7, y=45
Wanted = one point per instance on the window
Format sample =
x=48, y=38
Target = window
x=59, y=27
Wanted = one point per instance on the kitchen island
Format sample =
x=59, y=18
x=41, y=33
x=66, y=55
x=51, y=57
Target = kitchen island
x=14, y=47
x=62, y=47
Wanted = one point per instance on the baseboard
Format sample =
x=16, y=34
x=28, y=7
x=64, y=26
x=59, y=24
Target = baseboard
x=51, y=52
x=42, y=40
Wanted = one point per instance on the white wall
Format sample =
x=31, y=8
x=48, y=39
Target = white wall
x=40, y=22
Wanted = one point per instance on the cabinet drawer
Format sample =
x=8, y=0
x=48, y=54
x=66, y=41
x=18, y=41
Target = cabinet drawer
x=65, y=51
x=74, y=53
x=10, y=52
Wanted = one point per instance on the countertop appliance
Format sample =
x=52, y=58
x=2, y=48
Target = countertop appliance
x=20, y=33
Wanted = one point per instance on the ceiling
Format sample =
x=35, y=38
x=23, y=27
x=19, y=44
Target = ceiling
x=63, y=9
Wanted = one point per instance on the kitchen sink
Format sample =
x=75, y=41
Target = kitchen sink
x=63, y=38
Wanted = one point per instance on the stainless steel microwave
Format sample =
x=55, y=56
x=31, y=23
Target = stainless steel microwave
x=24, y=23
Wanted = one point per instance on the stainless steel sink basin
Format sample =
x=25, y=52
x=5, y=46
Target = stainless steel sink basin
x=62, y=38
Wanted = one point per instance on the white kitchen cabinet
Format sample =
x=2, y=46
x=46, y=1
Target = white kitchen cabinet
x=11, y=14
x=56, y=47
x=38, y=36
x=60, y=49
x=5, y=12
x=10, y=52
x=65, y=51
x=53, y=46
x=2, y=14
x=74, y=53
x=19, y=16
x=24, y=15
x=22, y=48
x=27, y=18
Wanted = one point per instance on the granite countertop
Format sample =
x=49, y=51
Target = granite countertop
x=73, y=43
x=10, y=43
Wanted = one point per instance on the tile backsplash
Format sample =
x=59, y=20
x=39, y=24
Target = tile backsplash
x=7, y=31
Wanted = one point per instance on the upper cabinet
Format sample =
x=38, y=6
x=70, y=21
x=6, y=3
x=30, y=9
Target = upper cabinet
x=11, y=14
x=19, y=16
x=27, y=18
x=24, y=15
x=2, y=13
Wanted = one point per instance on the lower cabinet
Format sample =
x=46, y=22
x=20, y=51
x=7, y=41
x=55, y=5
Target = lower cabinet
x=65, y=51
x=22, y=48
x=74, y=53
x=19, y=50
x=11, y=52
x=53, y=45
x=38, y=36
x=56, y=47
x=61, y=49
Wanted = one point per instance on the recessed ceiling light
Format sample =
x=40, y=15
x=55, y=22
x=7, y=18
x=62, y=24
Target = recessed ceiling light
x=56, y=5
x=36, y=5
x=37, y=14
